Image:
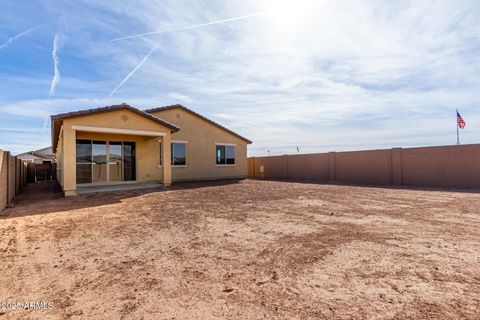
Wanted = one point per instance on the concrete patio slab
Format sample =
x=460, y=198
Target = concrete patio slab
x=119, y=187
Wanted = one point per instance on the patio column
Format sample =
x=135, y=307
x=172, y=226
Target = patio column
x=166, y=156
x=69, y=169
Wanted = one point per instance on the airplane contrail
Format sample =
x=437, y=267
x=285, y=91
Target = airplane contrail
x=12, y=39
x=56, y=72
x=190, y=27
x=134, y=70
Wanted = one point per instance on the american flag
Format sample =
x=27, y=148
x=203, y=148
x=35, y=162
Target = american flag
x=461, y=123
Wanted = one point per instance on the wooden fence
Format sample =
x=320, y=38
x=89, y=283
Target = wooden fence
x=41, y=172
x=446, y=166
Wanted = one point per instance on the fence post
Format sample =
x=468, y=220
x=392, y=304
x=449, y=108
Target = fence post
x=285, y=166
x=397, y=173
x=8, y=178
x=331, y=166
x=253, y=165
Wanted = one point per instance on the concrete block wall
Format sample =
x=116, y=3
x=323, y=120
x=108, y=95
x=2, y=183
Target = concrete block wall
x=12, y=178
x=3, y=179
x=445, y=166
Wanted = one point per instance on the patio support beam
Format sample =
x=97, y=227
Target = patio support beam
x=166, y=156
x=69, y=161
x=119, y=131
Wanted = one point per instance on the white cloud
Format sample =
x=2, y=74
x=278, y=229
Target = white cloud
x=140, y=35
x=16, y=37
x=131, y=73
x=180, y=97
x=56, y=72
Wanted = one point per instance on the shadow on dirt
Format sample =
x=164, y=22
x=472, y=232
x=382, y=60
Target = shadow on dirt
x=378, y=186
x=46, y=197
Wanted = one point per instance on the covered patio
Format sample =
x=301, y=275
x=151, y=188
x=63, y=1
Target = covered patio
x=106, y=149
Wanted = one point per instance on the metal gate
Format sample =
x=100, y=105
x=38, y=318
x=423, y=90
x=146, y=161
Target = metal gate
x=41, y=172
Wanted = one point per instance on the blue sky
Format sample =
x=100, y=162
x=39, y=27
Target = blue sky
x=322, y=75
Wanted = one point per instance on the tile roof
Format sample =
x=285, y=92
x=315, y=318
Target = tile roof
x=122, y=106
x=62, y=116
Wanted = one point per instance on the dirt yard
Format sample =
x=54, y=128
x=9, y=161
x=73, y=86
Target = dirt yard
x=244, y=250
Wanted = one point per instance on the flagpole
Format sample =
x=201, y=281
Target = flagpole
x=458, y=134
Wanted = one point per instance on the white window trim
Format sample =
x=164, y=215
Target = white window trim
x=226, y=145
x=160, y=142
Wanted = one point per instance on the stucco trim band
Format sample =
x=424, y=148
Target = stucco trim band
x=120, y=131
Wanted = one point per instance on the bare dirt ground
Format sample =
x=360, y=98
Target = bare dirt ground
x=244, y=250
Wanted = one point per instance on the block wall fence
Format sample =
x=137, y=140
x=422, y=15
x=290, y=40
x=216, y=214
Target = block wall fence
x=13, y=178
x=445, y=166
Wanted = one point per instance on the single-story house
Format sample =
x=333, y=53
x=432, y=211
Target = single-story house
x=121, y=144
x=40, y=156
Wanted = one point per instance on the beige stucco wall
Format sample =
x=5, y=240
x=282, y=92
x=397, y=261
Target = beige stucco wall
x=147, y=148
x=201, y=137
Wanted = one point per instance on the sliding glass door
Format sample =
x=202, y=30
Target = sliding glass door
x=105, y=161
x=99, y=161
x=84, y=161
x=115, y=163
x=129, y=163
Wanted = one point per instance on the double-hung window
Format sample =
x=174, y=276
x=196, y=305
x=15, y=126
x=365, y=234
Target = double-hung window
x=225, y=154
x=178, y=153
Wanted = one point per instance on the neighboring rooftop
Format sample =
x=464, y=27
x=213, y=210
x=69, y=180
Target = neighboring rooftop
x=44, y=153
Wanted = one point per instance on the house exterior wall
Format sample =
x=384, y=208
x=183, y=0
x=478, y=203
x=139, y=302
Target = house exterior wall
x=201, y=137
x=147, y=148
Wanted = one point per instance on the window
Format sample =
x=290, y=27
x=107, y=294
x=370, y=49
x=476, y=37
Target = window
x=225, y=154
x=129, y=161
x=84, y=161
x=179, y=153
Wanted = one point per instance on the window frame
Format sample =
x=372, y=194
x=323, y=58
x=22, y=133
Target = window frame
x=225, y=145
x=160, y=152
x=108, y=181
x=172, y=150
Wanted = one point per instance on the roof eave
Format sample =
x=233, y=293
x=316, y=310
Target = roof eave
x=82, y=113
